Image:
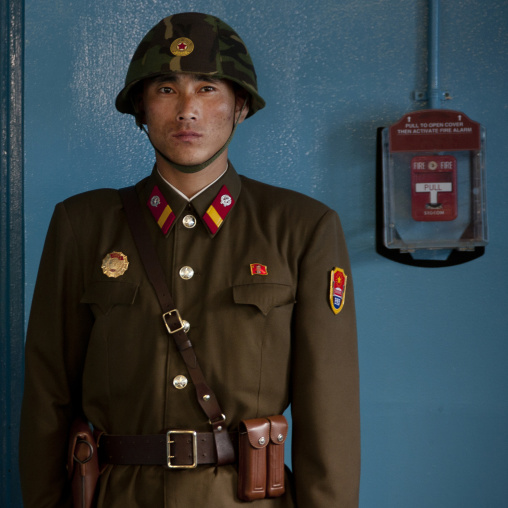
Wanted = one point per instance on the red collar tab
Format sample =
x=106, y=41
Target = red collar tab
x=160, y=209
x=218, y=210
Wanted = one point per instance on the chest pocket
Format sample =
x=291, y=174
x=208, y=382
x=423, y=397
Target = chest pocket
x=106, y=294
x=264, y=296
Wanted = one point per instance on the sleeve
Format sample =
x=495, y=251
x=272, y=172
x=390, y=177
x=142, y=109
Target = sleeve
x=325, y=384
x=57, y=338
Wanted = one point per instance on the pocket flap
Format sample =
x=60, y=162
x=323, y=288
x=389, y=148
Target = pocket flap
x=264, y=296
x=106, y=294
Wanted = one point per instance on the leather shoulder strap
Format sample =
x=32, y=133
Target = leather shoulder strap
x=171, y=317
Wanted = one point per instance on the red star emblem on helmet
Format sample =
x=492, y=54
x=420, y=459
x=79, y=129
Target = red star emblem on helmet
x=182, y=47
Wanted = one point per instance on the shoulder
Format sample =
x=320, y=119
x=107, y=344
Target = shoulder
x=98, y=202
x=275, y=198
x=99, y=198
x=87, y=213
x=91, y=210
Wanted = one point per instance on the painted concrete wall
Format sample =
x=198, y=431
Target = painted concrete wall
x=433, y=342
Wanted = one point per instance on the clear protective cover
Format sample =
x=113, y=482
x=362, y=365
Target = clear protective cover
x=433, y=198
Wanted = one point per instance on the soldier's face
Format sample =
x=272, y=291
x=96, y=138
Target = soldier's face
x=189, y=116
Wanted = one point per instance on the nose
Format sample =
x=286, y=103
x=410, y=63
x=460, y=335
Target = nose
x=187, y=107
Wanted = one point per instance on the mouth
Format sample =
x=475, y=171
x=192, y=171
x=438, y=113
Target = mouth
x=186, y=135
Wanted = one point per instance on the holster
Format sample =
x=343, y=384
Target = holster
x=83, y=464
x=261, y=457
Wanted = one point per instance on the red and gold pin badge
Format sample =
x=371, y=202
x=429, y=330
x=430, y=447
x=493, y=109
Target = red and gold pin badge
x=338, y=281
x=182, y=47
x=115, y=264
x=258, y=269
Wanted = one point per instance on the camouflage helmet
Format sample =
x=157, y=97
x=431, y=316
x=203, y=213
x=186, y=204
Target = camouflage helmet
x=194, y=43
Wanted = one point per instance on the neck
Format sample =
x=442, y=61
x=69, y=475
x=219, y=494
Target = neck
x=191, y=183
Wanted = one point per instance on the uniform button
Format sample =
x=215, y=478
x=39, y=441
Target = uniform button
x=180, y=382
x=186, y=272
x=186, y=325
x=189, y=221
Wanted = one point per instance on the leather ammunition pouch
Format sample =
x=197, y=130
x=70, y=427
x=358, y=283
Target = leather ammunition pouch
x=261, y=457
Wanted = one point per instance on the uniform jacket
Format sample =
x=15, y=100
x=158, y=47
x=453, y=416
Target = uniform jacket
x=264, y=341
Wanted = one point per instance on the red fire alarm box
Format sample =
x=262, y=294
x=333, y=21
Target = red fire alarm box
x=434, y=182
x=434, y=187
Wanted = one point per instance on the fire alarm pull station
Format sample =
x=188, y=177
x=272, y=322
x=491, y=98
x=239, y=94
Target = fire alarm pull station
x=433, y=184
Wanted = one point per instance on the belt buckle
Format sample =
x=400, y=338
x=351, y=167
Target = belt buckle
x=169, y=313
x=169, y=442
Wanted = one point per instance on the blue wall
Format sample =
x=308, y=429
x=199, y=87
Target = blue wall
x=433, y=342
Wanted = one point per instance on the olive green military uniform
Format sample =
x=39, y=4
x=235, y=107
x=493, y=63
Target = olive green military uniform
x=255, y=271
x=266, y=337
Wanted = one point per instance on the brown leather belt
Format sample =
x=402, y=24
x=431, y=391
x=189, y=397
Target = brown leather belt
x=177, y=449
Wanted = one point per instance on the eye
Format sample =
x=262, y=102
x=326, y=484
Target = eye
x=166, y=89
x=208, y=88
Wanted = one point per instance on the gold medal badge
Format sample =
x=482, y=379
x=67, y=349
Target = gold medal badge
x=182, y=47
x=115, y=264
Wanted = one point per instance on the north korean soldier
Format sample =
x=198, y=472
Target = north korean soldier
x=178, y=319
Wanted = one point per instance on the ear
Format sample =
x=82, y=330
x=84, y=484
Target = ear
x=139, y=109
x=241, y=105
x=138, y=104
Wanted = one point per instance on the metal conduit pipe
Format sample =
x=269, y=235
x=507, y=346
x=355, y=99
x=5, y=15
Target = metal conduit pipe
x=433, y=55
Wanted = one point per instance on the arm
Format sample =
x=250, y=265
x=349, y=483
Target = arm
x=325, y=402
x=57, y=337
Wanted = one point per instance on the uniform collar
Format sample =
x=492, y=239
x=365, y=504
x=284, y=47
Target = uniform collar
x=213, y=206
x=197, y=193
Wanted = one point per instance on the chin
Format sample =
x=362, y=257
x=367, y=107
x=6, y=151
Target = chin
x=189, y=161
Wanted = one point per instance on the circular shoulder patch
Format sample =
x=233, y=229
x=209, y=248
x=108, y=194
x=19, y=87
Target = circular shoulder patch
x=182, y=47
